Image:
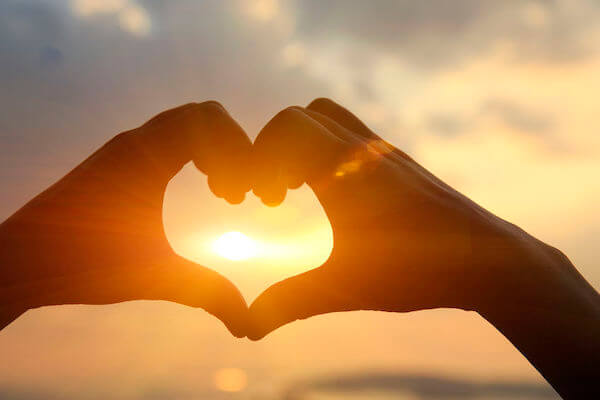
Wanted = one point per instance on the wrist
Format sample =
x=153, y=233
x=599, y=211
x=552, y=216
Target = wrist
x=533, y=276
x=542, y=305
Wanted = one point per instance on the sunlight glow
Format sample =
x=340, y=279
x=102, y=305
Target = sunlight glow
x=262, y=10
x=230, y=379
x=90, y=7
x=135, y=20
x=235, y=246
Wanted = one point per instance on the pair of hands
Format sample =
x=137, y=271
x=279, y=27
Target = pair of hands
x=403, y=239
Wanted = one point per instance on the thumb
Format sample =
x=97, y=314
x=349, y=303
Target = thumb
x=311, y=293
x=9, y=314
x=187, y=283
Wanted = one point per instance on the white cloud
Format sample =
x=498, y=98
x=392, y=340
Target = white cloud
x=294, y=54
x=86, y=8
x=132, y=17
x=262, y=10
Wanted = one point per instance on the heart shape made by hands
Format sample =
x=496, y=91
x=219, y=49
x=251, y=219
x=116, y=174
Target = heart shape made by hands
x=396, y=226
x=281, y=241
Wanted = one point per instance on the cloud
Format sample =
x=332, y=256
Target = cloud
x=262, y=10
x=513, y=115
x=72, y=76
x=448, y=125
x=441, y=34
x=421, y=386
x=131, y=17
x=74, y=73
x=518, y=117
x=418, y=386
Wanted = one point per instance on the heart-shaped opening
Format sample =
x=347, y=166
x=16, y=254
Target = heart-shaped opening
x=251, y=244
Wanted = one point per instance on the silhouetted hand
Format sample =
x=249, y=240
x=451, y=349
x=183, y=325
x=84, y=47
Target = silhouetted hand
x=403, y=240
x=96, y=236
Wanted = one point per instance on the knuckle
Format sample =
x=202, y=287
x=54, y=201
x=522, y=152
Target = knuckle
x=289, y=112
x=210, y=106
x=286, y=116
x=321, y=102
x=122, y=143
x=558, y=254
x=169, y=114
x=186, y=106
x=123, y=137
x=207, y=112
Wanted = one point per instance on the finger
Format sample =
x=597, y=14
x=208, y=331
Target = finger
x=332, y=112
x=190, y=284
x=299, y=297
x=173, y=279
x=332, y=125
x=293, y=148
x=365, y=156
x=341, y=115
x=170, y=113
x=348, y=120
x=206, y=134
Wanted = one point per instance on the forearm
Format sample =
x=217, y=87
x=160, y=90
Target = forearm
x=10, y=306
x=556, y=325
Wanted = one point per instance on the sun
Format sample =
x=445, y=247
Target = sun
x=235, y=246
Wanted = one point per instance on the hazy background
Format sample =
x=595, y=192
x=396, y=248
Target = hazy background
x=496, y=98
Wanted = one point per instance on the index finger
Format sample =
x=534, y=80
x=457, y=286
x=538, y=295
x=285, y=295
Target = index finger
x=206, y=134
x=294, y=148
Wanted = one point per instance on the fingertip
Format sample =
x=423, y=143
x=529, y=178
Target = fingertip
x=295, y=183
x=232, y=189
x=255, y=337
x=278, y=305
x=236, y=198
x=216, y=186
x=271, y=194
x=233, y=312
x=197, y=286
x=255, y=332
x=240, y=328
x=261, y=321
x=272, y=201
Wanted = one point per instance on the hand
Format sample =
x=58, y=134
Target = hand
x=403, y=239
x=96, y=236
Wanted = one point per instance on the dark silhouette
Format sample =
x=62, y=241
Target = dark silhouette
x=96, y=236
x=403, y=239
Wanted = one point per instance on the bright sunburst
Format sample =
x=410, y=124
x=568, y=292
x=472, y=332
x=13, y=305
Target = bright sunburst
x=235, y=246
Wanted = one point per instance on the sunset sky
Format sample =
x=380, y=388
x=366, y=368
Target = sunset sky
x=495, y=98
